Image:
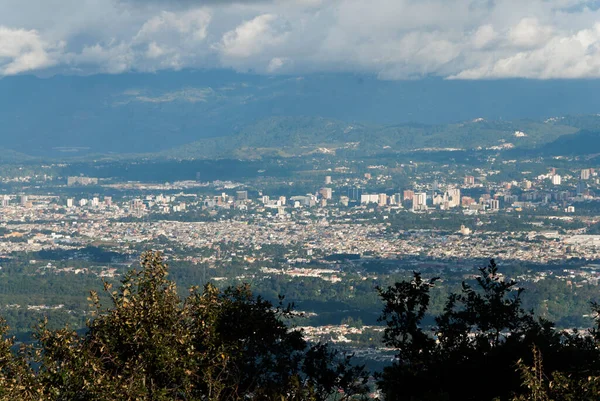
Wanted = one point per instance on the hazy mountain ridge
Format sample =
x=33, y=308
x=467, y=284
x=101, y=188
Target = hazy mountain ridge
x=290, y=136
x=66, y=116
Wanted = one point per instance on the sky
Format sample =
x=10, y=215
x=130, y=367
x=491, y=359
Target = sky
x=392, y=39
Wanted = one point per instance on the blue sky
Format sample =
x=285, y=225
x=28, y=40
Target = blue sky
x=393, y=39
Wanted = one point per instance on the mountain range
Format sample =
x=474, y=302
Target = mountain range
x=221, y=113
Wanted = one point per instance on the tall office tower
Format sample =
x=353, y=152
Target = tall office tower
x=5, y=201
x=469, y=180
x=408, y=194
x=326, y=193
x=265, y=199
x=382, y=200
x=354, y=194
x=453, y=197
x=327, y=180
x=419, y=201
x=556, y=179
x=585, y=174
x=494, y=204
x=24, y=200
x=70, y=202
x=95, y=201
x=241, y=195
x=282, y=200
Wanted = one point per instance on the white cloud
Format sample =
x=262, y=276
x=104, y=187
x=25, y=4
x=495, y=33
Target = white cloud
x=395, y=39
x=529, y=34
x=24, y=50
x=563, y=56
x=251, y=37
x=192, y=25
x=277, y=63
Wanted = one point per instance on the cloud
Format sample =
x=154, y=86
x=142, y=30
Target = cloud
x=24, y=50
x=393, y=39
x=251, y=37
x=529, y=34
x=563, y=56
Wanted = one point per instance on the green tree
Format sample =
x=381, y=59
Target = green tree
x=481, y=334
x=212, y=345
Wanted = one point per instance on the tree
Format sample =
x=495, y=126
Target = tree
x=213, y=345
x=481, y=334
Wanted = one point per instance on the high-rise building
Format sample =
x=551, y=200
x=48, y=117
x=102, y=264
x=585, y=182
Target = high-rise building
x=585, y=174
x=382, y=200
x=408, y=194
x=5, y=201
x=70, y=202
x=241, y=195
x=419, y=201
x=556, y=179
x=369, y=198
x=95, y=202
x=282, y=200
x=108, y=200
x=453, y=197
x=354, y=194
x=24, y=200
x=469, y=180
x=494, y=204
x=327, y=180
x=467, y=201
x=326, y=193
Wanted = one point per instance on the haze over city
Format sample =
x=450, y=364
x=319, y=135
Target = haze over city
x=300, y=199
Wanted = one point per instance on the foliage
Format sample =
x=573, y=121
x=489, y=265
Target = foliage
x=560, y=387
x=152, y=345
x=481, y=335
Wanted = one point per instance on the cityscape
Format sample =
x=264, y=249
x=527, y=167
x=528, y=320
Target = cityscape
x=300, y=200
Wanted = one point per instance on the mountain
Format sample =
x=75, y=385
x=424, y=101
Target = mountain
x=291, y=136
x=582, y=143
x=139, y=113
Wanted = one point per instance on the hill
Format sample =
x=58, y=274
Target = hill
x=292, y=136
x=65, y=116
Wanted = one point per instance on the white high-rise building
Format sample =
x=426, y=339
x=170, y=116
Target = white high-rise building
x=70, y=202
x=585, y=174
x=420, y=201
x=556, y=179
x=453, y=197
